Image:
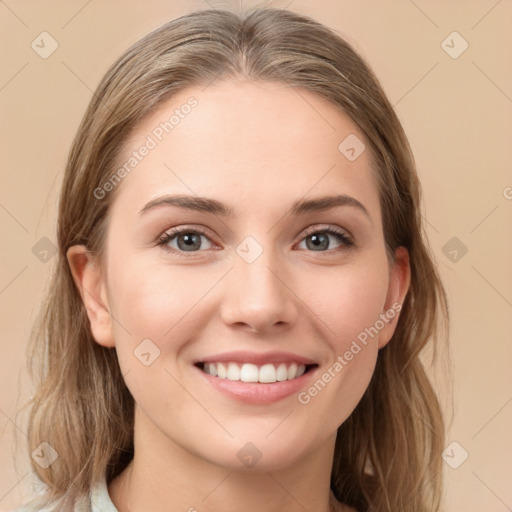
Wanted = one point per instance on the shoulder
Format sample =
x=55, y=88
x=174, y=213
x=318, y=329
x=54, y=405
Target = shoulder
x=34, y=504
x=100, y=498
x=99, y=501
x=28, y=507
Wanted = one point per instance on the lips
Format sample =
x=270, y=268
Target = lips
x=257, y=358
x=256, y=377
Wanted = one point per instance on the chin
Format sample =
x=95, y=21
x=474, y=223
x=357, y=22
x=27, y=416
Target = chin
x=257, y=453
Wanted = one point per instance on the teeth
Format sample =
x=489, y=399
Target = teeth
x=282, y=372
x=221, y=370
x=292, y=371
x=233, y=372
x=267, y=373
x=249, y=373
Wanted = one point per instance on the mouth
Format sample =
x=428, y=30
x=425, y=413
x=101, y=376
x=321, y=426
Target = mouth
x=268, y=373
x=256, y=378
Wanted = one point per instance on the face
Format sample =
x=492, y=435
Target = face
x=264, y=282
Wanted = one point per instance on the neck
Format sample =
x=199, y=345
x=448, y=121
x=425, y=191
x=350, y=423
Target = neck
x=172, y=479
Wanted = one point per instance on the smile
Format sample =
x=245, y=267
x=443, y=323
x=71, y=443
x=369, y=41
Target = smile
x=248, y=372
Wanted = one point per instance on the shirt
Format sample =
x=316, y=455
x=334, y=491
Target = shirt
x=100, y=501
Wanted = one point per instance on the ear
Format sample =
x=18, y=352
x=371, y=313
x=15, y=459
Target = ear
x=89, y=280
x=399, y=280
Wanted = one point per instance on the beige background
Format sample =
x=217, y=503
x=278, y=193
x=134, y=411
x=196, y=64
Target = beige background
x=457, y=113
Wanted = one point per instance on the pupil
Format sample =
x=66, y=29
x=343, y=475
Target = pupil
x=319, y=240
x=191, y=241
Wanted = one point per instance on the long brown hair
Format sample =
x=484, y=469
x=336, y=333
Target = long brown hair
x=388, y=452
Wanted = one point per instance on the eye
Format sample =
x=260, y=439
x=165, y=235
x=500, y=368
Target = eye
x=319, y=240
x=184, y=239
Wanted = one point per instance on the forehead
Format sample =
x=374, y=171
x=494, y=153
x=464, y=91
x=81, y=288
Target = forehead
x=259, y=145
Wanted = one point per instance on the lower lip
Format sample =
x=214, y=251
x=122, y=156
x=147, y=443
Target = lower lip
x=256, y=392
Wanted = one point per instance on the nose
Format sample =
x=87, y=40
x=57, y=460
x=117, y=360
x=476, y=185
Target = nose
x=259, y=296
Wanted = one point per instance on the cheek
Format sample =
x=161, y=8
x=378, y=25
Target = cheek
x=349, y=299
x=351, y=324
x=150, y=299
x=154, y=320
x=349, y=317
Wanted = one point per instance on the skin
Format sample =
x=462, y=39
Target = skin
x=257, y=148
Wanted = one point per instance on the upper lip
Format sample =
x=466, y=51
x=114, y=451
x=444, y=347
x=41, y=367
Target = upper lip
x=256, y=358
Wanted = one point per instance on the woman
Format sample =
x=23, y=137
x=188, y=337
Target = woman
x=243, y=291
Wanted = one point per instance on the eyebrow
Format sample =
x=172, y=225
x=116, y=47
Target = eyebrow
x=207, y=205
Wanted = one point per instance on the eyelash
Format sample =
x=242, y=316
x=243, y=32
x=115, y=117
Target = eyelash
x=346, y=241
